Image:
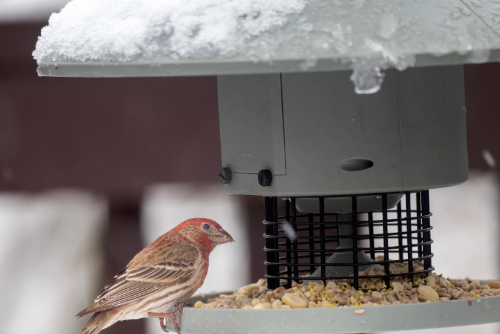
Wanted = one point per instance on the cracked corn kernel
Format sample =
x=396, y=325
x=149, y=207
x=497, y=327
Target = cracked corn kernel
x=477, y=296
x=262, y=306
x=277, y=304
x=198, y=304
x=361, y=297
x=356, y=304
x=294, y=301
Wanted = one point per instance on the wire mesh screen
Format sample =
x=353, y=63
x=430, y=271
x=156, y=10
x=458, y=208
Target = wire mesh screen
x=355, y=238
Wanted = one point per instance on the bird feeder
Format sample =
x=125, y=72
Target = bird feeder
x=348, y=167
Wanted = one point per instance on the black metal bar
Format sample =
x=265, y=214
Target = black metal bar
x=386, y=239
x=390, y=235
x=288, y=245
x=346, y=264
x=393, y=221
x=275, y=232
x=426, y=225
x=295, y=246
x=372, y=238
x=391, y=249
x=272, y=283
x=409, y=234
x=322, y=234
x=311, y=242
x=400, y=232
x=419, y=222
x=350, y=277
x=354, y=217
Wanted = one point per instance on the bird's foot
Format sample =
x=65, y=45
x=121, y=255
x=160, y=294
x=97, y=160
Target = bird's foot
x=172, y=315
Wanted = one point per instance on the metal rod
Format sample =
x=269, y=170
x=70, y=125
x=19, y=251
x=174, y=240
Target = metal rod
x=355, y=240
x=311, y=242
x=295, y=246
x=386, y=239
x=275, y=240
x=426, y=225
x=288, y=246
x=322, y=234
x=419, y=224
x=272, y=283
x=372, y=238
x=409, y=234
x=400, y=232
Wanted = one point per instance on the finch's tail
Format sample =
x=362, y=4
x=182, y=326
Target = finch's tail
x=98, y=322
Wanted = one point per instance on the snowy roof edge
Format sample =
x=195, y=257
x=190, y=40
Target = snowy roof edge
x=201, y=68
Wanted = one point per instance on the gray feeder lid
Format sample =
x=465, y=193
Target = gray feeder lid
x=312, y=35
x=341, y=320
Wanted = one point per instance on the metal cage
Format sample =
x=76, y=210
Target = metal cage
x=333, y=244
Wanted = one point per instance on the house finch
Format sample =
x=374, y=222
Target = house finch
x=163, y=275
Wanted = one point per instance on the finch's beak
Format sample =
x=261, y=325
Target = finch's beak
x=222, y=237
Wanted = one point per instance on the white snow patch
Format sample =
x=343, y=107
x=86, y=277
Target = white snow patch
x=289, y=231
x=388, y=25
x=367, y=75
x=367, y=81
x=123, y=30
x=489, y=158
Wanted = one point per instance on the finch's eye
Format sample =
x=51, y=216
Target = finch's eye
x=205, y=226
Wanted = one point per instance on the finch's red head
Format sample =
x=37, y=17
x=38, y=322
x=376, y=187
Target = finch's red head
x=204, y=231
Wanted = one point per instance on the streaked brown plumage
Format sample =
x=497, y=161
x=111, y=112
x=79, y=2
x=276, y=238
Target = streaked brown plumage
x=164, y=274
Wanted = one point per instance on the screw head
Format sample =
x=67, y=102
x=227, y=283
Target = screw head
x=225, y=175
x=265, y=178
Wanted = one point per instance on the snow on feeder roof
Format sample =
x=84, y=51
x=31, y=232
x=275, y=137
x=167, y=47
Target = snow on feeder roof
x=117, y=38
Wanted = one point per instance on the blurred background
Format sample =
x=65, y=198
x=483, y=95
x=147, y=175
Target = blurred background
x=93, y=170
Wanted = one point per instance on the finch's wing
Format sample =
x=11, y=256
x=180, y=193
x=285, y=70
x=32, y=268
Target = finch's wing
x=173, y=266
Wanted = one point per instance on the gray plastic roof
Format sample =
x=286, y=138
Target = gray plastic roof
x=324, y=35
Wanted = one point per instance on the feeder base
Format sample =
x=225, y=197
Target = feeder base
x=339, y=320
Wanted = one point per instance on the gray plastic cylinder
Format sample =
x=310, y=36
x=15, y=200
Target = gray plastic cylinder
x=318, y=137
